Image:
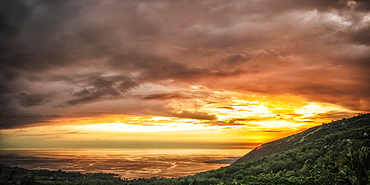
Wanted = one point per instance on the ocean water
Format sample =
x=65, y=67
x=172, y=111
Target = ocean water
x=127, y=163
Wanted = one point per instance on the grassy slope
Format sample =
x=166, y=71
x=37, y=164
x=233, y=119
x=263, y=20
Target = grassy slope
x=334, y=153
x=308, y=136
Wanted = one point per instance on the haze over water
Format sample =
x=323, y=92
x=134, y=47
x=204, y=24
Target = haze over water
x=127, y=163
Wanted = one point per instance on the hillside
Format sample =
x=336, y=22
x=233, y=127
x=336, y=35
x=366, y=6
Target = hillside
x=333, y=153
x=331, y=131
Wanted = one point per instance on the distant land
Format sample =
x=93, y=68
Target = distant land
x=332, y=153
x=229, y=160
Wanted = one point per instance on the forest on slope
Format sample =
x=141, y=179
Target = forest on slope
x=332, y=153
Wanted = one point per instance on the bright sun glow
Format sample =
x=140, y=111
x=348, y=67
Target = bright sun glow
x=279, y=124
x=310, y=110
x=238, y=118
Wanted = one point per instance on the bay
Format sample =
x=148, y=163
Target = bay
x=127, y=163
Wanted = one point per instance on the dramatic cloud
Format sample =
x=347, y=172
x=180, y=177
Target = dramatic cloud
x=102, y=87
x=28, y=100
x=81, y=58
x=195, y=115
x=164, y=96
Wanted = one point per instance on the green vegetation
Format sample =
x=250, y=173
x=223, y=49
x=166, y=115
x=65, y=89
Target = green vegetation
x=15, y=175
x=334, y=153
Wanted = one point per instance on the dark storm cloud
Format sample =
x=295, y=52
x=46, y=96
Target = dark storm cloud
x=164, y=96
x=195, y=115
x=236, y=122
x=51, y=134
x=271, y=131
x=154, y=68
x=89, y=52
x=362, y=35
x=351, y=95
x=35, y=45
x=250, y=121
x=334, y=115
x=321, y=5
x=236, y=59
x=13, y=119
x=28, y=100
x=103, y=88
x=13, y=14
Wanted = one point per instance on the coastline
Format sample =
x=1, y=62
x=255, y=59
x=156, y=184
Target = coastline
x=228, y=160
x=127, y=163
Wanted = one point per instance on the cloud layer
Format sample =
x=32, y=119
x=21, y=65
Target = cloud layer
x=73, y=58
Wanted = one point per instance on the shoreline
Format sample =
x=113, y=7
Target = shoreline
x=228, y=160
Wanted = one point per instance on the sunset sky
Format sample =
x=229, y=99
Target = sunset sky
x=188, y=74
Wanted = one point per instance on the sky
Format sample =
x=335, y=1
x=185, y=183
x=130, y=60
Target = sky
x=218, y=74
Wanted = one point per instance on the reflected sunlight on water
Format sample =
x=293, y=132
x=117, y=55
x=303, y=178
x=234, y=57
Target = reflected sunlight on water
x=128, y=163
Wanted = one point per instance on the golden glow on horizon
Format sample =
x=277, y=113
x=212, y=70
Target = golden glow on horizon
x=121, y=127
x=238, y=118
x=279, y=125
